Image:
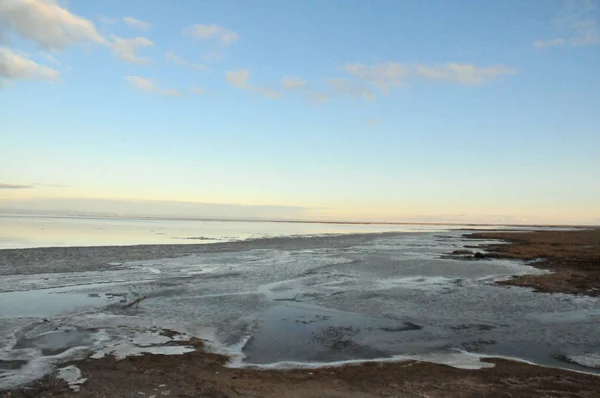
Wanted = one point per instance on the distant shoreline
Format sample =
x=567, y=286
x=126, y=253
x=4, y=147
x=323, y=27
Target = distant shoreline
x=289, y=221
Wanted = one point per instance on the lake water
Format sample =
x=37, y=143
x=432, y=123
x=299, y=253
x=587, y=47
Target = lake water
x=386, y=293
x=33, y=231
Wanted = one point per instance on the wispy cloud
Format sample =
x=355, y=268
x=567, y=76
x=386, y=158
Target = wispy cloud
x=51, y=58
x=351, y=89
x=15, y=66
x=14, y=186
x=550, y=43
x=577, y=23
x=126, y=49
x=293, y=83
x=136, y=23
x=373, y=122
x=266, y=91
x=240, y=79
x=211, y=32
x=197, y=90
x=47, y=24
x=149, y=86
x=461, y=73
x=51, y=185
x=176, y=59
x=52, y=27
x=382, y=76
x=386, y=76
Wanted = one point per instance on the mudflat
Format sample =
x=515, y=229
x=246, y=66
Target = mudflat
x=202, y=374
x=573, y=257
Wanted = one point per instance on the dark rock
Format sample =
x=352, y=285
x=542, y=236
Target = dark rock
x=462, y=252
x=479, y=255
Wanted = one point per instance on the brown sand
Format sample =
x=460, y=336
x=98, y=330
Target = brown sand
x=573, y=257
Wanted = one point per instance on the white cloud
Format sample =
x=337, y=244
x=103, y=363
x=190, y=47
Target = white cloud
x=54, y=28
x=350, y=89
x=126, y=49
x=136, y=23
x=172, y=57
x=461, y=73
x=266, y=91
x=293, y=83
x=47, y=24
x=382, y=76
x=391, y=75
x=149, y=86
x=578, y=23
x=4, y=36
x=211, y=32
x=240, y=79
x=17, y=67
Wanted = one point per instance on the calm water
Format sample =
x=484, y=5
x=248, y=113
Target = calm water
x=274, y=302
x=29, y=231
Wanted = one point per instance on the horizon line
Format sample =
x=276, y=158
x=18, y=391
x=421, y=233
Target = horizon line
x=291, y=221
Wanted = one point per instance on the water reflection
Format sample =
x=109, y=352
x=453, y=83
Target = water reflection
x=34, y=231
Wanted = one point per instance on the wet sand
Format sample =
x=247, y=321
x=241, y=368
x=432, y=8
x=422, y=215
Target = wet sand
x=573, y=257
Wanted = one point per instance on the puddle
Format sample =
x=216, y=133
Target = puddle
x=302, y=333
x=44, y=303
x=11, y=365
x=54, y=343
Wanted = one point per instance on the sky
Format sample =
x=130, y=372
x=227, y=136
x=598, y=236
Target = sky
x=406, y=110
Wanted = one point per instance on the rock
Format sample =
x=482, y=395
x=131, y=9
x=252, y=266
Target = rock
x=462, y=252
x=479, y=255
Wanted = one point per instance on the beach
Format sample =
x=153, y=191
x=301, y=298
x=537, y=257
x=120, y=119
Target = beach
x=355, y=314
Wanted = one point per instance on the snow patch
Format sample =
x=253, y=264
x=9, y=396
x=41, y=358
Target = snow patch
x=72, y=376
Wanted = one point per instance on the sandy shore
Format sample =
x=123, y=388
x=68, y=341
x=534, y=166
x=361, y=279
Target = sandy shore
x=573, y=257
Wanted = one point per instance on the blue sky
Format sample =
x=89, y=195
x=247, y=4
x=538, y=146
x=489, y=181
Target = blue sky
x=356, y=110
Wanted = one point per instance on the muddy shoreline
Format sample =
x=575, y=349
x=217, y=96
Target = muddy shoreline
x=572, y=257
x=203, y=374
